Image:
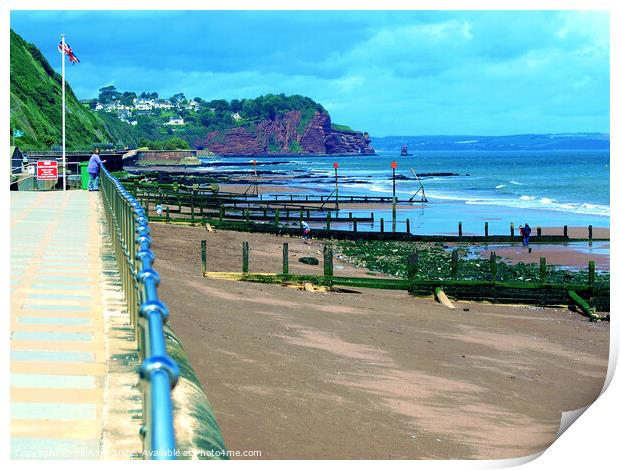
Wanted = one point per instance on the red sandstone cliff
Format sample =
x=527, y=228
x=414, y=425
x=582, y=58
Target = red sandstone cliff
x=287, y=134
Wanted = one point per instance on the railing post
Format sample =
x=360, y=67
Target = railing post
x=167, y=215
x=381, y=225
x=591, y=273
x=355, y=225
x=493, y=262
x=408, y=226
x=329, y=220
x=543, y=269
x=276, y=219
x=285, y=258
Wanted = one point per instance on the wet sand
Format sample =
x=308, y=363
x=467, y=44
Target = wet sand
x=262, y=189
x=572, y=255
x=374, y=374
x=574, y=232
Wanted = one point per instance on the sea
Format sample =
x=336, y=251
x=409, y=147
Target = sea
x=542, y=188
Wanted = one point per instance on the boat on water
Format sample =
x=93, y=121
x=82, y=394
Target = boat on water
x=404, y=152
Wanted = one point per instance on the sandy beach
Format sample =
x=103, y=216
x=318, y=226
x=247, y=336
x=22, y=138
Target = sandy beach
x=370, y=374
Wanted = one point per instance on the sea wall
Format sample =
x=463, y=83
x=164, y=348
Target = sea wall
x=197, y=433
x=160, y=157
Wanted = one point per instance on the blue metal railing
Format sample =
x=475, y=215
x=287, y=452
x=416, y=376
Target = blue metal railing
x=158, y=372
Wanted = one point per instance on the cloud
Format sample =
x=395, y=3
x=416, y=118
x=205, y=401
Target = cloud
x=424, y=72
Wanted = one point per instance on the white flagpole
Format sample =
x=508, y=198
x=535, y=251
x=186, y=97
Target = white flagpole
x=64, y=161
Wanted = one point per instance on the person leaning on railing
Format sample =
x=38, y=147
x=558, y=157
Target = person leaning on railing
x=94, y=166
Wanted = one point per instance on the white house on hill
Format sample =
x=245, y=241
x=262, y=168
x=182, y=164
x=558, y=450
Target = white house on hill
x=176, y=121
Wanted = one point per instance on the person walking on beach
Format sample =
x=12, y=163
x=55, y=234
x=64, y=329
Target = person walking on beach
x=306, y=230
x=94, y=165
x=525, y=231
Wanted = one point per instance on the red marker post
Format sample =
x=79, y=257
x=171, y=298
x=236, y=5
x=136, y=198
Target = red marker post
x=393, y=165
x=255, y=177
x=336, y=171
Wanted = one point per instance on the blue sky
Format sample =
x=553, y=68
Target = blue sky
x=389, y=73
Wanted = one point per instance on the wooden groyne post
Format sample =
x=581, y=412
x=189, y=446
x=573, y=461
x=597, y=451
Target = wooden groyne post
x=538, y=231
x=486, y=230
x=329, y=220
x=583, y=306
x=285, y=258
x=408, y=226
x=382, y=225
x=412, y=264
x=246, y=257
x=328, y=261
x=493, y=266
x=460, y=229
x=590, y=233
x=454, y=264
x=203, y=255
x=512, y=229
x=566, y=231
x=543, y=269
x=591, y=273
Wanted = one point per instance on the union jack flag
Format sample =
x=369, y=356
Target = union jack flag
x=67, y=50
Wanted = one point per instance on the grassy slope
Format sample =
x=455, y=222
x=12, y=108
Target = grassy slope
x=36, y=103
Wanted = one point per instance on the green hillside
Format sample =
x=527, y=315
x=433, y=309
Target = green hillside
x=36, y=106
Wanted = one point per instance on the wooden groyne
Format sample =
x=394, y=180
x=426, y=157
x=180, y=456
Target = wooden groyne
x=337, y=234
x=537, y=292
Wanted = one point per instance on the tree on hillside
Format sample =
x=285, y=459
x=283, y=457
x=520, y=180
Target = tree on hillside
x=108, y=94
x=218, y=105
x=235, y=105
x=127, y=98
x=179, y=98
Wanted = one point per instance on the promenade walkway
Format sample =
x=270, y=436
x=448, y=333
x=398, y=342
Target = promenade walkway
x=72, y=352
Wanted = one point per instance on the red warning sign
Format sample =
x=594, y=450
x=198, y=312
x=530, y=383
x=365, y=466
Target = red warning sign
x=47, y=170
